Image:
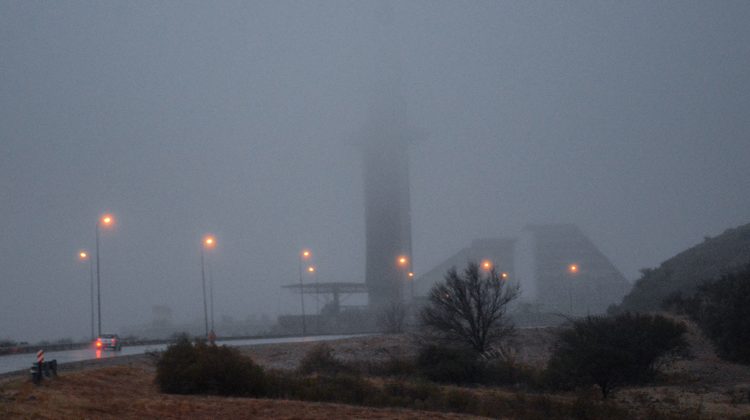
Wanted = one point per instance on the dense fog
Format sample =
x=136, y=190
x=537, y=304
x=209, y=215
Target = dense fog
x=245, y=120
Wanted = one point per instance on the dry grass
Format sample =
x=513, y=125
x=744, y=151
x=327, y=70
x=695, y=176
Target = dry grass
x=129, y=392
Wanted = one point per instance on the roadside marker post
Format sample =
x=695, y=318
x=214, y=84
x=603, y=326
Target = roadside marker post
x=40, y=369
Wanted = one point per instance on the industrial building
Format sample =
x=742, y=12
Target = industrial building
x=557, y=267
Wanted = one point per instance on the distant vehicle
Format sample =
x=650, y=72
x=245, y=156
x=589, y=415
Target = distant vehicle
x=108, y=341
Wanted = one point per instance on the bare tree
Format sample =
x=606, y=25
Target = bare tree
x=392, y=317
x=469, y=309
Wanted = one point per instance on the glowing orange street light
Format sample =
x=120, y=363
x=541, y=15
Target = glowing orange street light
x=487, y=265
x=209, y=241
x=107, y=220
x=311, y=269
x=573, y=269
x=411, y=275
x=306, y=254
x=83, y=256
x=504, y=276
x=402, y=260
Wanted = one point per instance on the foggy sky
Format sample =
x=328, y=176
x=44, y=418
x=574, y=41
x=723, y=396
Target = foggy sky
x=630, y=119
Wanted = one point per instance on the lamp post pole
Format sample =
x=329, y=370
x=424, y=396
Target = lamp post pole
x=98, y=284
x=91, y=275
x=106, y=220
x=317, y=302
x=211, y=293
x=208, y=242
x=403, y=265
x=411, y=284
x=573, y=270
x=84, y=256
x=302, y=298
x=203, y=281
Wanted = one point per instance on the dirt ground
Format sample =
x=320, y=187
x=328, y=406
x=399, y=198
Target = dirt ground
x=701, y=387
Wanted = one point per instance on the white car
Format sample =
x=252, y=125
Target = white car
x=108, y=341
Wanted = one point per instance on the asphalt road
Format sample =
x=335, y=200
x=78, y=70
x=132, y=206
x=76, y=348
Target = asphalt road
x=15, y=362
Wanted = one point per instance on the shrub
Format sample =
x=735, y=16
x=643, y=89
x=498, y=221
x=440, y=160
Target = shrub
x=448, y=364
x=392, y=366
x=343, y=388
x=200, y=368
x=398, y=366
x=463, y=366
x=320, y=359
x=409, y=393
x=610, y=352
x=722, y=310
x=505, y=372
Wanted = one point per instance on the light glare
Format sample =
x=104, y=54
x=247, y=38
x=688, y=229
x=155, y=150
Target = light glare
x=107, y=220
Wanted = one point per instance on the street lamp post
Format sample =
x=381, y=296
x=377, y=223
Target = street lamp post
x=207, y=243
x=573, y=269
x=211, y=295
x=411, y=284
x=403, y=263
x=107, y=220
x=84, y=256
x=304, y=255
x=312, y=271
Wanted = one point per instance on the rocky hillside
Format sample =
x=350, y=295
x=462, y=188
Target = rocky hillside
x=688, y=269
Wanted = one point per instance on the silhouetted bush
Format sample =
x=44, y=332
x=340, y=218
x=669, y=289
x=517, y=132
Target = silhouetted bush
x=722, y=310
x=464, y=366
x=393, y=366
x=448, y=364
x=320, y=359
x=200, y=368
x=613, y=351
x=505, y=372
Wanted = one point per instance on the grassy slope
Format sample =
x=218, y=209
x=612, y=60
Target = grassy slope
x=129, y=392
x=688, y=269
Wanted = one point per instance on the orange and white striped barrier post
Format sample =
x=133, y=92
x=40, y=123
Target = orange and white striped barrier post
x=37, y=368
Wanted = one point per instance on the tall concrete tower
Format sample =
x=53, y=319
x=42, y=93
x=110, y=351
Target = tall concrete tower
x=387, y=207
x=386, y=138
